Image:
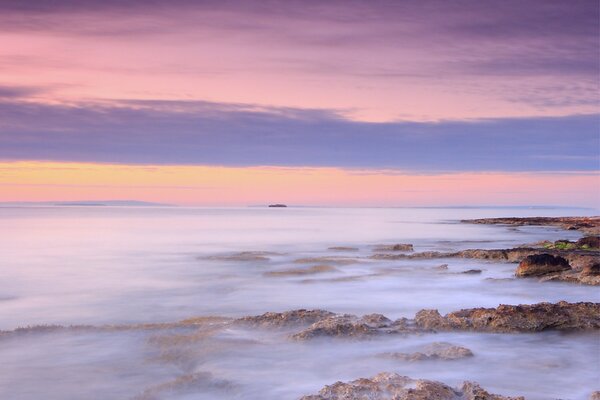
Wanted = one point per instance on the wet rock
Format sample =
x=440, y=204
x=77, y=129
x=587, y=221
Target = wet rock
x=595, y=395
x=342, y=248
x=589, y=225
x=541, y=264
x=197, y=382
x=376, y=320
x=471, y=271
x=327, y=260
x=521, y=318
x=591, y=269
x=435, y=351
x=390, y=386
x=316, y=269
x=243, y=256
x=583, y=277
x=442, y=267
x=395, y=247
x=345, y=326
x=592, y=242
x=285, y=319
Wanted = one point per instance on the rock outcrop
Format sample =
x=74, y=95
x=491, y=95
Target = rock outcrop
x=390, y=386
x=542, y=264
x=292, y=318
x=588, y=225
x=521, y=318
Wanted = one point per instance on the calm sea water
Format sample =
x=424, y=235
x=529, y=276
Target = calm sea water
x=125, y=265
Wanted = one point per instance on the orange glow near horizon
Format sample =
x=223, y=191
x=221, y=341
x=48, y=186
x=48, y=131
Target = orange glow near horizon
x=233, y=186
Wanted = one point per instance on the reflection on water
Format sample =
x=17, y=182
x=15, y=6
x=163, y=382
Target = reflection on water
x=133, y=265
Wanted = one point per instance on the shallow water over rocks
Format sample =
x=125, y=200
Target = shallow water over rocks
x=113, y=266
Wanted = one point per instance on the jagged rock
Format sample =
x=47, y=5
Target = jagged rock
x=347, y=326
x=285, y=319
x=390, y=386
x=541, y=264
x=435, y=351
x=522, y=318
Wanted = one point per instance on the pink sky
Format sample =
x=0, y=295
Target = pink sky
x=354, y=103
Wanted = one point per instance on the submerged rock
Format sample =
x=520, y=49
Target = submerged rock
x=390, y=386
x=326, y=260
x=243, y=256
x=342, y=248
x=395, y=247
x=285, y=319
x=521, y=318
x=316, y=269
x=435, y=351
x=541, y=264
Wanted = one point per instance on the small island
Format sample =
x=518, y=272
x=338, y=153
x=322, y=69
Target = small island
x=277, y=205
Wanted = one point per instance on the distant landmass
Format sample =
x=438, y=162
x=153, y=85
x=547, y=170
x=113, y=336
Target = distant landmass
x=85, y=203
x=277, y=205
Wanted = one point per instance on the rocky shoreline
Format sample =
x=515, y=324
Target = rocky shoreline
x=562, y=260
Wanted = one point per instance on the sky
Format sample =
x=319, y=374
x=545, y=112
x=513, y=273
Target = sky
x=395, y=103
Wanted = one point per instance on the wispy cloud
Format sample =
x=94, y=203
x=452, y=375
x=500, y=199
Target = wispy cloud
x=204, y=133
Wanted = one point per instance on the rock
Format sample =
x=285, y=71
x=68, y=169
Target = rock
x=541, y=264
x=589, y=225
x=316, y=269
x=342, y=248
x=442, y=267
x=285, y=319
x=591, y=270
x=435, y=351
x=592, y=242
x=244, y=256
x=326, y=260
x=390, y=386
x=471, y=271
x=395, y=247
x=522, y=318
x=595, y=395
x=376, y=320
x=346, y=326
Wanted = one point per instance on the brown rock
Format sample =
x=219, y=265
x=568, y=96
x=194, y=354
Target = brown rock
x=343, y=248
x=589, y=241
x=591, y=270
x=345, y=326
x=395, y=247
x=316, y=269
x=541, y=264
x=522, y=318
x=390, y=386
x=435, y=351
x=285, y=319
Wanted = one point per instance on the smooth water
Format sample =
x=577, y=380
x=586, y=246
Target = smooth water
x=127, y=265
